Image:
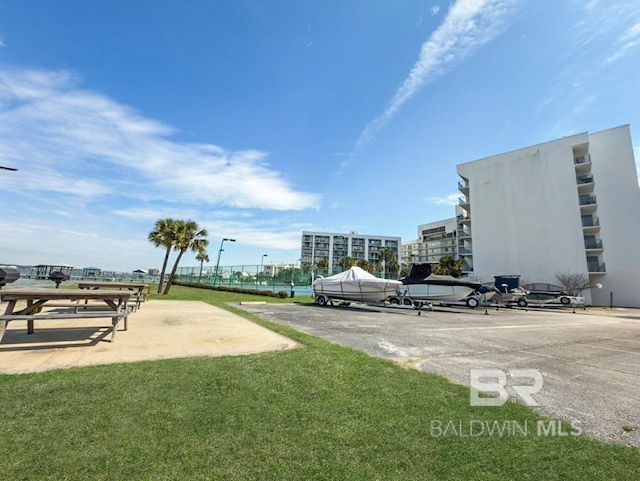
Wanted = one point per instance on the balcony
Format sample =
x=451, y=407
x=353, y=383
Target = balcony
x=463, y=202
x=464, y=251
x=593, y=244
x=591, y=223
x=584, y=179
x=464, y=188
x=596, y=268
x=463, y=233
x=582, y=159
x=587, y=200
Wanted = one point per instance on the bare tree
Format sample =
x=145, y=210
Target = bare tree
x=574, y=283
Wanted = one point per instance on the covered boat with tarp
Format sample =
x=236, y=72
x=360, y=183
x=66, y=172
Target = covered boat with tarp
x=355, y=285
x=423, y=286
x=439, y=288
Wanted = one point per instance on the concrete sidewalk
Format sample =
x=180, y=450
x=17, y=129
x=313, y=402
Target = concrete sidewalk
x=158, y=330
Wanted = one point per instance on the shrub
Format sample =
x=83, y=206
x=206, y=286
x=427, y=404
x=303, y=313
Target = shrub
x=237, y=290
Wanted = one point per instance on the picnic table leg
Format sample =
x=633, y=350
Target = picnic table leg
x=114, y=328
x=4, y=324
x=30, y=326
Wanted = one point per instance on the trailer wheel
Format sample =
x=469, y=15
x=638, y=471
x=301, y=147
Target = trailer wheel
x=565, y=300
x=522, y=303
x=472, y=302
x=322, y=300
x=407, y=302
x=394, y=300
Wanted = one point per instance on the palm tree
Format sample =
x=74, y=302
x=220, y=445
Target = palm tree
x=323, y=263
x=390, y=259
x=347, y=262
x=448, y=266
x=202, y=257
x=163, y=235
x=188, y=236
x=364, y=264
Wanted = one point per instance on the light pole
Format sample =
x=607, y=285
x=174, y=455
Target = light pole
x=292, y=284
x=215, y=279
x=262, y=265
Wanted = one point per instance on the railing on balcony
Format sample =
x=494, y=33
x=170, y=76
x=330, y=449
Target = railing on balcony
x=596, y=267
x=464, y=250
x=582, y=159
x=464, y=233
x=592, y=222
x=462, y=186
x=462, y=201
x=585, y=179
x=593, y=243
x=587, y=199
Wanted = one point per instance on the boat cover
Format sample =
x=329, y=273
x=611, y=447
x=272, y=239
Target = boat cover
x=355, y=284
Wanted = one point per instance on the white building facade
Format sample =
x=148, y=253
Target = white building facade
x=436, y=240
x=571, y=205
x=335, y=246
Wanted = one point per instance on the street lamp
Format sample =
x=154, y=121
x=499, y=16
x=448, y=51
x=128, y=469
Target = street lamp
x=292, y=284
x=262, y=265
x=215, y=279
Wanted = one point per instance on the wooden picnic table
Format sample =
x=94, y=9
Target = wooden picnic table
x=140, y=289
x=37, y=298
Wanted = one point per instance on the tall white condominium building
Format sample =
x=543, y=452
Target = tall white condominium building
x=335, y=246
x=571, y=205
x=436, y=240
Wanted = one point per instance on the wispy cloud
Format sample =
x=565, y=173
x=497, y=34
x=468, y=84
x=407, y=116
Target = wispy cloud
x=435, y=9
x=604, y=32
x=468, y=25
x=451, y=199
x=65, y=139
x=94, y=174
x=605, y=29
x=626, y=43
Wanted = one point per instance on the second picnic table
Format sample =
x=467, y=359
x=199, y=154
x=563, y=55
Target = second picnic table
x=140, y=290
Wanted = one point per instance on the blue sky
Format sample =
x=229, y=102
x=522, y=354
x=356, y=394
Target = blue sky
x=261, y=119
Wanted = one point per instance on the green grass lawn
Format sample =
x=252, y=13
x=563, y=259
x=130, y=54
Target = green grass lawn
x=322, y=412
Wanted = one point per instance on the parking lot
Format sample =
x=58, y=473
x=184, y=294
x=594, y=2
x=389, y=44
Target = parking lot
x=589, y=360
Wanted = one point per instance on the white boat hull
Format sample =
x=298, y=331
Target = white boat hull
x=435, y=293
x=364, y=290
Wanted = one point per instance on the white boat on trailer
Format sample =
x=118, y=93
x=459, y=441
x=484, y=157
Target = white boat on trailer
x=353, y=285
x=438, y=289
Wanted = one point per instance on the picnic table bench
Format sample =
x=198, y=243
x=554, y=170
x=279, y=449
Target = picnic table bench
x=37, y=298
x=139, y=290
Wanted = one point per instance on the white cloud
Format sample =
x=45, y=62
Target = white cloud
x=469, y=24
x=626, y=43
x=601, y=23
x=435, y=9
x=451, y=199
x=68, y=140
x=95, y=174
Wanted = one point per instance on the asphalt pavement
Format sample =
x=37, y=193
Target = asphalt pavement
x=589, y=361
